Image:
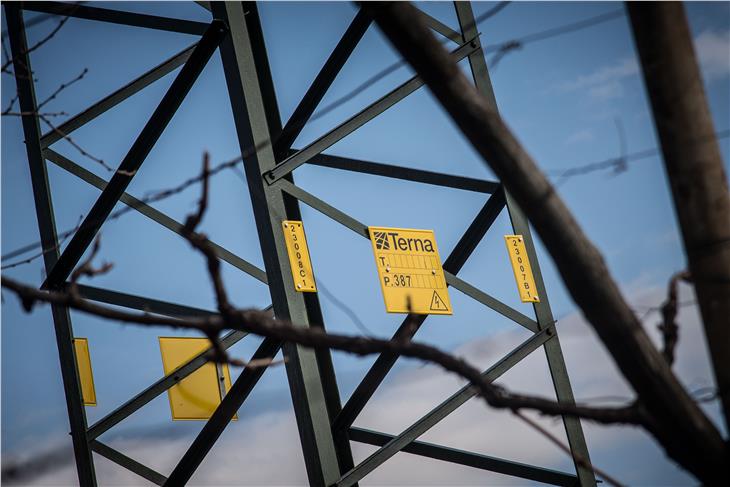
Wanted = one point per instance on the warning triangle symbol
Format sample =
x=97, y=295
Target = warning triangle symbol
x=437, y=304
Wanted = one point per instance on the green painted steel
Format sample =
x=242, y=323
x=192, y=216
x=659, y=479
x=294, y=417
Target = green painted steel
x=112, y=100
x=118, y=17
x=412, y=323
x=256, y=116
x=152, y=213
x=138, y=152
x=362, y=229
x=469, y=459
x=129, y=463
x=438, y=413
x=324, y=425
x=405, y=173
x=160, y=386
x=491, y=302
x=556, y=363
x=223, y=415
x=148, y=305
x=49, y=240
x=347, y=127
x=326, y=76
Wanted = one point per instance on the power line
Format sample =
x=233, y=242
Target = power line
x=530, y=38
x=502, y=49
x=559, y=31
x=393, y=68
x=616, y=163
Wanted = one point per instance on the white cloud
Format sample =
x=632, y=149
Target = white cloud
x=604, y=82
x=583, y=135
x=607, y=82
x=713, y=53
x=265, y=450
x=622, y=69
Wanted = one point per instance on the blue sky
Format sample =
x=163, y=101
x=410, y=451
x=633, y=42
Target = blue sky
x=562, y=97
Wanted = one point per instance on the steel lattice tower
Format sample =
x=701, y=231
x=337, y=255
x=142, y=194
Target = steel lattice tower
x=325, y=425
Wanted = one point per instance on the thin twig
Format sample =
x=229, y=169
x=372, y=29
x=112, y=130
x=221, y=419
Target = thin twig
x=535, y=37
x=668, y=327
x=11, y=104
x=344, y=308
x=23, y=114
x=62, y=87
x=43, y=252
x=583, y=462
x=73, y=143
x=614, y=162
x=87, y=269
x=38, y=44
x=261, y=323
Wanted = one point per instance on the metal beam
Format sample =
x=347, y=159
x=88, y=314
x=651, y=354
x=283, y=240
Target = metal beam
x=553, y=352
x=442, y=28
x=130, y=464
x=132, y=162
x=256, y=115
x=442, y=410
x=362, y=229
x=326, y=209
x=375, y=375
x=137, y=154
x=322, y=82
x=160, y=386
x=491, y=302
x=475, y=232
x=355, y=122
x=469, y=459
x=405, y=173
x=412, y=323
x=148, y=305
x=151, y=213
x=118, y=17
x=204, y=4
x=117, y=97
x=223, y=414
x=49, y=239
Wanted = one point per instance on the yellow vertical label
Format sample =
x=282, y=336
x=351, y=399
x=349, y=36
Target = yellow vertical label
x=86, y=376
x=409, y=271
x=521, y=267
x=198, y=395
x=301, y=264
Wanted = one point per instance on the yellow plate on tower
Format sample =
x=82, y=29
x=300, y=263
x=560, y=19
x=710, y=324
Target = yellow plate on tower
x=86, y=376
x=521, y=267
x=200, y=393
x=301, y=264
x=409, y=269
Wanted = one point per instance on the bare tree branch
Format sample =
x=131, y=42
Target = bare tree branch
x=62, y=238
x=694, y=167
x=5, y=68
x=678, y=419
x=668, y=327
x=260, y=323
x=73, y=143
x=556, y=441
x=62, y=87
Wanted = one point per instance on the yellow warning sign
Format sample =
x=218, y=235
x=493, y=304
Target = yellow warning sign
x=198, y=395
x=522, y=269
x=409, y=268
x=301, y=264
x=86, y=376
